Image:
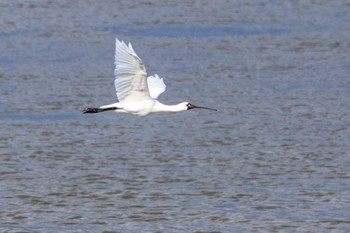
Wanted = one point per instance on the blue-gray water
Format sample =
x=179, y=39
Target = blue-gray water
x=275, y=158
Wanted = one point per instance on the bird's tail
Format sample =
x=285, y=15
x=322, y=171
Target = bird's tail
x=97, y=110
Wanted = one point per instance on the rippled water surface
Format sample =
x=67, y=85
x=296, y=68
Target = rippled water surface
x=274, y=158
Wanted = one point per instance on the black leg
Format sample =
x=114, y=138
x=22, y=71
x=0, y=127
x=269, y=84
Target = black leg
x=97, y=110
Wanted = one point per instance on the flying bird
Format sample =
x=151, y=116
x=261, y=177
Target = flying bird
x=137, y=93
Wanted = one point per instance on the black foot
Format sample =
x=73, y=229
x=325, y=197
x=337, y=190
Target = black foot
x=97, y=110
x=92, y=110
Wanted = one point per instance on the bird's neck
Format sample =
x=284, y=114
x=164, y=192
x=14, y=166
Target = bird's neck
x=159, y=107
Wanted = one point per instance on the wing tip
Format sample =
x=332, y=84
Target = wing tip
x=119, y=42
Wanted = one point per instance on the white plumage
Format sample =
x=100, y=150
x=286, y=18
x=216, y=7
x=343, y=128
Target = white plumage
x=136, y=92
x=156, y=86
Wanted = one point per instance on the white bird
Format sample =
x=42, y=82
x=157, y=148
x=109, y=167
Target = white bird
x=136, y=92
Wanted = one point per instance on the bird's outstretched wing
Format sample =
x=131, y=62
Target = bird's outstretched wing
x=130, y=74
x=156, y=86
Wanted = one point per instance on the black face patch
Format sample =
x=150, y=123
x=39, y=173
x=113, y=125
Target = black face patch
x=190, y=106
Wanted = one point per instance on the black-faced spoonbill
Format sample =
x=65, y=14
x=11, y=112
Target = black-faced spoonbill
x=136, y=92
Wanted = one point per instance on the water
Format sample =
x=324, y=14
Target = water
x=275, y=158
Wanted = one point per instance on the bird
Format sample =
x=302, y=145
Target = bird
x=137, y=93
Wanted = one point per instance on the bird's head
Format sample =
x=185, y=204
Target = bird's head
x=188, y=106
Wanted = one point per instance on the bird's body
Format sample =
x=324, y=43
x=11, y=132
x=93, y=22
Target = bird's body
x=136, y=92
